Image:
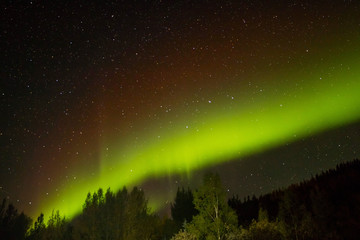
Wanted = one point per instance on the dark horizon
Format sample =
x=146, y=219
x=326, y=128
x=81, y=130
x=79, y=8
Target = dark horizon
x=316, y=208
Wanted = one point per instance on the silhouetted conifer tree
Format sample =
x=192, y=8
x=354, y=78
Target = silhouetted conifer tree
x=183, y=208
x=12, y=224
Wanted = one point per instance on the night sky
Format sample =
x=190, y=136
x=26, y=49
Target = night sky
x=155, y=93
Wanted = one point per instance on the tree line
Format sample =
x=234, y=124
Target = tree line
x=324, y=207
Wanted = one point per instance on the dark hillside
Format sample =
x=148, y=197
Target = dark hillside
x=326, y=206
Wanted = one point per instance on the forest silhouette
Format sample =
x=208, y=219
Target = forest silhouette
x=327, y=206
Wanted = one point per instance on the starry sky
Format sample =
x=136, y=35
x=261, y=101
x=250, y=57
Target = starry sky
x=155, y=93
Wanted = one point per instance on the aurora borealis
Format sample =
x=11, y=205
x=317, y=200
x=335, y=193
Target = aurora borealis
x=152, y=94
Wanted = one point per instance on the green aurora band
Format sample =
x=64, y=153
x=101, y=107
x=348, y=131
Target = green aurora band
x=222, y=135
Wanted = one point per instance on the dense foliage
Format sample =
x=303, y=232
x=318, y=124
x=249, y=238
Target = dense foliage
x=324, y=207
x=12, y=224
